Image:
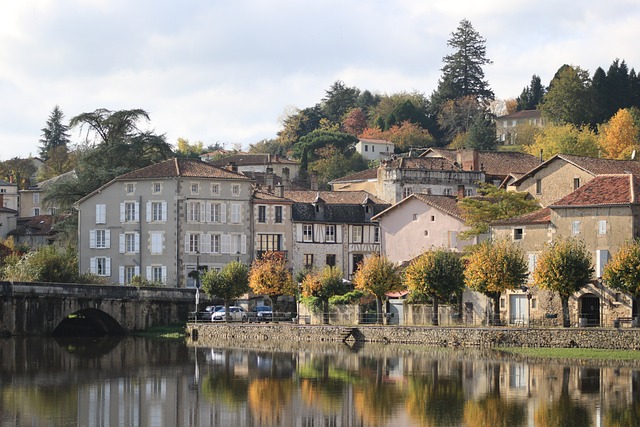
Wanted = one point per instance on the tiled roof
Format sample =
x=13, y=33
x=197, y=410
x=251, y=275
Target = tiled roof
x=523, y=114
x=40, y=225
x=261, y=196
x=365, y=175
x=446, y=204
x=496, y=163
x=375, y=141
x=423, y=163
x=334, y=197
x=541, y=216
x=604, y=190
x=252, y=159
x=181, y=167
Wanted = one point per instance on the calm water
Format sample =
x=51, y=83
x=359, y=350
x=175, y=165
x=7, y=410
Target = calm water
x=141, y=382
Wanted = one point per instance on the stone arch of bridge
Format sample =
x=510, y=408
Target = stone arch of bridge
x=89, y=320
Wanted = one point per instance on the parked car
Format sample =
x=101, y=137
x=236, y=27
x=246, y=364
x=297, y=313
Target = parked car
x=260, y=313
x=236, y=314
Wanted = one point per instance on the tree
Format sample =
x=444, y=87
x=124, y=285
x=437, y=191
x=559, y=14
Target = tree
x=332, y=163
x=319, y=139
x=377, y=276
x=482, y=133
x=564, y=139
x=323, y=285
x=59, y=161
x=228, y=284
x=564, y=266
x=569, y=97
x=620, y=136
x=299, y=124
x=270, y=276
x=404, y=136
x=621, y=272
x=457, y=116
x=355, y=121
x=338, y=100
x=19, y=171
x=437, y=273
x=493, y=204
x=188, y=149
x=531, y=95
x=462, y=74
x=496, y=267
x=55, y=134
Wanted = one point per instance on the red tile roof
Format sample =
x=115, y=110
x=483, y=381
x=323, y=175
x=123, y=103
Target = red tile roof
x=541, y=216
x=181, y=167
x=447, y=204
x=604, y=190
x=365, y=175
x=253, y=159
x=496, y=163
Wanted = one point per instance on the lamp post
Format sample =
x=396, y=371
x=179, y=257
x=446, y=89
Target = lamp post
x=197, y=282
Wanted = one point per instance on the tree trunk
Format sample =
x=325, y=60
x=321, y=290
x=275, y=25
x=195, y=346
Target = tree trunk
x=434, y=315
x=566, y=320
x=496, y=310
x=379, y=311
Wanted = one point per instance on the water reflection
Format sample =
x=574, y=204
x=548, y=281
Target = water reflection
x=141, y=382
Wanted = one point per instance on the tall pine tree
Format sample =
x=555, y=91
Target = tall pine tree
x=54, y=135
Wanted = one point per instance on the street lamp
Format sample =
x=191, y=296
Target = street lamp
x=197, y=282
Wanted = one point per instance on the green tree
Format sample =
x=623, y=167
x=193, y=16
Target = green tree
x=569, y=97
x=270, y=276
x=321, y=138
x=622, y=272
x=564, y=266
x=564, y=139
x=482, y=133
x=338, y=100
x=47, y=264
x=323, y=285
x=332, y=163
x=19, y=171
x=189, y=149
x=55, y=134
x=496, y=267
x=457, y=116
x=377, y=276
x=493, y=204
x=228, y=284
x=531, y=95
x=463, y=74
x=299, y=124
x=437, y=273
x=59, y=161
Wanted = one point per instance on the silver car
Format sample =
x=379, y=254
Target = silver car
x=236, y=314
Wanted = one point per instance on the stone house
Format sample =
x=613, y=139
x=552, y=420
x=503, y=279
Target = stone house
x=32, y=199
x=334, y=228
x=8, y=221
x=9, y=195
x=272, y=224
x=507, y=125
x=244, y=162
x=603, y=213
x=563, y=173
x=374, y=149
x=163, y=221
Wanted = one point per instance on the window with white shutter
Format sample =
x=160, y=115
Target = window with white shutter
x=101, y=213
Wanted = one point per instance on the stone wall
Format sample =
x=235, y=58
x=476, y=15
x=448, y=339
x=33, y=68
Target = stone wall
x=628, y=338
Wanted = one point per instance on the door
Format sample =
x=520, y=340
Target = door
x=590, y=309
x=468, y=313
x=518, y=309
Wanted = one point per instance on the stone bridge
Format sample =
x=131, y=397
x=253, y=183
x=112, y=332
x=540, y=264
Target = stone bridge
x=40, y=308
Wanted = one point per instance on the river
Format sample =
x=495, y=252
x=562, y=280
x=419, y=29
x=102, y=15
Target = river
x=144, y=382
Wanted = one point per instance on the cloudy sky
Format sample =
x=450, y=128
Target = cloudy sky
x=227, y=71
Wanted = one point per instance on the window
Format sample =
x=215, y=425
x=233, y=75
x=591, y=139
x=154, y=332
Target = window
x=101, y=239
x=101, y=213
x=575, y=229
x=468, y=192
x=36, y=211
x=356, y=260
x=238, y=244
x=193, y=211
x=236, y=210
x=100, y=266
x=307, y=233
x=158, y=211
x=447, y=191
x=602, y=226
x=330, y=234
x=517, y=233
x=433, y=218
x=215, y=189
x=262, y=214
x=157, y=274
x=269, y=242
x=156, y=188
x=538, y=186
x=215, y=243
x=195, y=188
x=376, y=234
x=415, y=217
x=308, y=261
x=602, y=258
x=129, y=212
x=331, y=260
x=193, y=243
x=576, y=183
x=278, y=215
x=406, y=192
x=366, y=148
x=131, y=243
x=357, y=234
x=373, y=148
x=215, y=214
x=52, y=211
x=129, y=188
x=156, y=242
x=36, y=198
x=235, y=190
x=129, y=274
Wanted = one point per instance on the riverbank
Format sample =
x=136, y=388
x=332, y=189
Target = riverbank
x=454, y=337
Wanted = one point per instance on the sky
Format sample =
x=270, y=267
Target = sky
x=228, y=72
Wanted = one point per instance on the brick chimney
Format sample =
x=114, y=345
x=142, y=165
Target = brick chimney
x=286, y=179
x=313, y=181
x=268, y=179
x=279, y=191
x=468, y=159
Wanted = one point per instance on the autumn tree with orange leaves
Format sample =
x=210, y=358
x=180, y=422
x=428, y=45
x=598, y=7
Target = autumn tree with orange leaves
x=404, y=135
x=620, y=135
x=270, y=276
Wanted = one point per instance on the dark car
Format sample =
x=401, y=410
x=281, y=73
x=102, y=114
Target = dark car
x=260, y=313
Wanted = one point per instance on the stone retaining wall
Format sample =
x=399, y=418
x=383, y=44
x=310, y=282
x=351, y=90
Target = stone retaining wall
x=211, y=333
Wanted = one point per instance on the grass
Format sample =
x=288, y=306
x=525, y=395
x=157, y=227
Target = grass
x=173, y=332
x=574, y=353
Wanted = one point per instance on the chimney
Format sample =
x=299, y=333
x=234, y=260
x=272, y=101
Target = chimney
x=460, y=191
x=231, y=166
x=468, y=159
x=268, y=179
x=542, y=161
x=279, y=190
x=313, y=178
x=286, y=180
